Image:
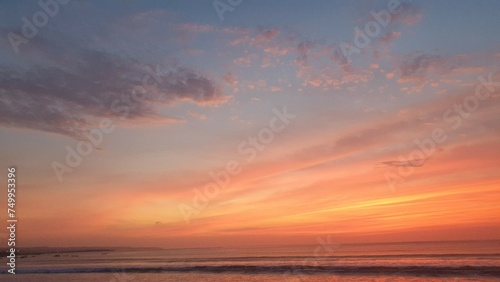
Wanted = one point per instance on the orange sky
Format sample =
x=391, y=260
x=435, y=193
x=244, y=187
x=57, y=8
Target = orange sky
x=304, y=139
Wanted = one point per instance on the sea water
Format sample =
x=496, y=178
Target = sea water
x=429, y=261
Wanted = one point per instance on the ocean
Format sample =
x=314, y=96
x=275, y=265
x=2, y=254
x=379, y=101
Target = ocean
x=422, y=261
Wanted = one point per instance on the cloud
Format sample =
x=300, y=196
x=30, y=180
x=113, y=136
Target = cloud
x=72, y=98
x=244, y=61
x=197, y=115
x=256, y=85
x=265, y=36
x=257, y=40
x=277, y=50
x=276, y=89
x=332, y=78
x=389, y=37
x=410, y=14
x=230, y=79
x=418, y=66
x=415, y=70
x=409, y=163
x=195, y=28
x=303, y=49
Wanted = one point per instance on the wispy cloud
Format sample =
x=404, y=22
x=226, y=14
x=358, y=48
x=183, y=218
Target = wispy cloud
x=408, y=163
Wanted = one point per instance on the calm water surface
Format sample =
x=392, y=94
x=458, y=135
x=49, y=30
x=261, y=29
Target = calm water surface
x=443, y=261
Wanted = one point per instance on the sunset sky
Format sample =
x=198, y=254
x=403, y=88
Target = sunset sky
x=364, y=120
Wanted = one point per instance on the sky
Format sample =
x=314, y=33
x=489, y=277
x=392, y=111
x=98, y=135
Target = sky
x=239, y=123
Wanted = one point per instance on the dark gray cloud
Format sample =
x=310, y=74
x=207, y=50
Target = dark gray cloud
x=80, y=88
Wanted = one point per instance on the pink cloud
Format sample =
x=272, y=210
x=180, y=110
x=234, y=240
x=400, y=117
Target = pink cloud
x=195, y=28
x=230, y=79
x=412, y=19
x=266, y=62
x=389, y=37
x=266, y=36
x=236, y=30
x=275, y=88
x=259, y=84
x=243, y=61
x=329, y=78
x=277, y=50
x=240, y=40
x=197, y=115
x=257, y=40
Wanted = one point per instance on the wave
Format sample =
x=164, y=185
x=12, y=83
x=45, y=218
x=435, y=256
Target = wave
x=431, y=271
x=274, y=258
